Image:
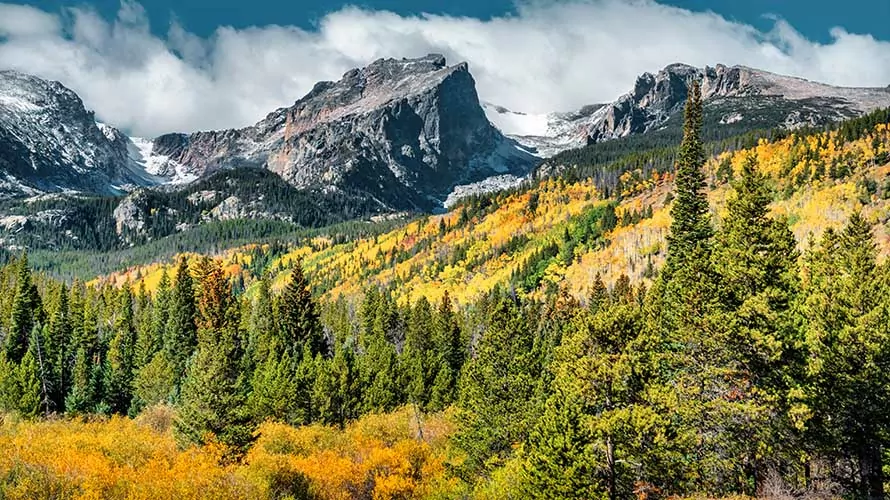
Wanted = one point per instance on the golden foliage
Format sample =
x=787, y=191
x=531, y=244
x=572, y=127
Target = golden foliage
x=818, y=181
x=380, y=457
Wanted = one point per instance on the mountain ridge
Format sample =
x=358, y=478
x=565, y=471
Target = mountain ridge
x=656, y=97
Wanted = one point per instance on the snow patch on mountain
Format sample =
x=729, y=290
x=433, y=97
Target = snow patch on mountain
x=489, y=185
x=141, y=153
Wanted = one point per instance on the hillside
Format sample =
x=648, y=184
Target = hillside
x=673, y=323
x=561, y=234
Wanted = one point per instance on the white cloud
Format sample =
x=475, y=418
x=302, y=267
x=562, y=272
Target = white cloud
x=548, y=56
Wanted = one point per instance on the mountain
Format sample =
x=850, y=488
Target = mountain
x=404, y=132
x=737, y=99
x=558, y=234
x=49, y=142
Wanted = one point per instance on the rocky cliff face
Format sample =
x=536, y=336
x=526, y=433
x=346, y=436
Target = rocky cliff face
x=737, y=96
x=404, y=132
x=49, y=142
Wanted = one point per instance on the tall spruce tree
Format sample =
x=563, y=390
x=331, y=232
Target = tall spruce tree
x=264, y=338
x=847, y=388
x=756, y=260
x=213, y=401
x=121, y=355
x=57, y=342
x=418, y=366
x=447, y=356
x=180, y=333
x=27, y=310
x=298, y=317
x=496, y=405
x=691, y=230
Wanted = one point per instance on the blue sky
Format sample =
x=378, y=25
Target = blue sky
x=183, y=65
x=814, y=18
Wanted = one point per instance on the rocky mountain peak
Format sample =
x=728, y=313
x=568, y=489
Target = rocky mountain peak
x=403, y=131
x=50, y=142
x=741, y=97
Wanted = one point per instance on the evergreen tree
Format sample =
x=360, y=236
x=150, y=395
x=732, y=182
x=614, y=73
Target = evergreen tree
x=448, y=356
x=153, y=342
x=31, y=402
x=418, y=366
x=298, y=317
x=213, y=393
x=27, y=311
x=497, y=391
x=847, y=388
x=57, y=343
x=304, y=380
x=154, y=383
x=263, y=339
x=756, y=259
x=121, y=355
x=690, y=219
x=180, y=334
x=10, y=394
x=559, y=463
x=82, y=397
x=379, y=369
x=274, y=391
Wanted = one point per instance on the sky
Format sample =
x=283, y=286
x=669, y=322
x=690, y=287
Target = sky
x=184, y=65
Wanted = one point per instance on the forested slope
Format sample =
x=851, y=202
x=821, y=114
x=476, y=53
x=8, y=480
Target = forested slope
x=738, y=345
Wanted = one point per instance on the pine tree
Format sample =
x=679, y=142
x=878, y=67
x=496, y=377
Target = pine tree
x=756, y=260
x=10, y=394
x=154, y=383
x=298, y=317
x=560, y=459
x=180, y=334
x=418, y=367
x=264, y=338
x=57, y=343
x=497, y=391
x=213, y=402
x=847, y=388
x=326, y=397
x=274, y=391
x=153, y=341
x=148, y=342
x=121, y=355
x=31, y=403
x=690, y=218
x=304, y=380
x=27, y=311
x=379, y=369
x=448, y=356
x=81, y=398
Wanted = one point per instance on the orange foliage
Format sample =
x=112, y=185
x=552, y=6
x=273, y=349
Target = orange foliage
x=377, y=457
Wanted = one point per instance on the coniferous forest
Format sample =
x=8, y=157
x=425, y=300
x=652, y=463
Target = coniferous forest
x=746, y=367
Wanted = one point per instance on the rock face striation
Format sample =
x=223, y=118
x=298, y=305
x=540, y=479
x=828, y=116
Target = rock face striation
x=738, y=95
x=49, y=142
x=402, y=132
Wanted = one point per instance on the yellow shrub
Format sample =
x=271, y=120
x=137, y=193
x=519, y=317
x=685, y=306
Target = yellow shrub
x=378, y=457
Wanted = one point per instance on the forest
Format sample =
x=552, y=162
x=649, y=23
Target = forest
x=744, y=366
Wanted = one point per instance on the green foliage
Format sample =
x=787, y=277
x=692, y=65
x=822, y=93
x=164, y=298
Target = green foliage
x=180, y=332
x=497, y=390
x=560, y=462
x=847, y=384
x=213, y=393
x=154, y=383
x=121, y=356
x=298, y=318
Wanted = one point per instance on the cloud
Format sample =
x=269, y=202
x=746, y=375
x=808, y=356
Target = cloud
x=547, y=56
